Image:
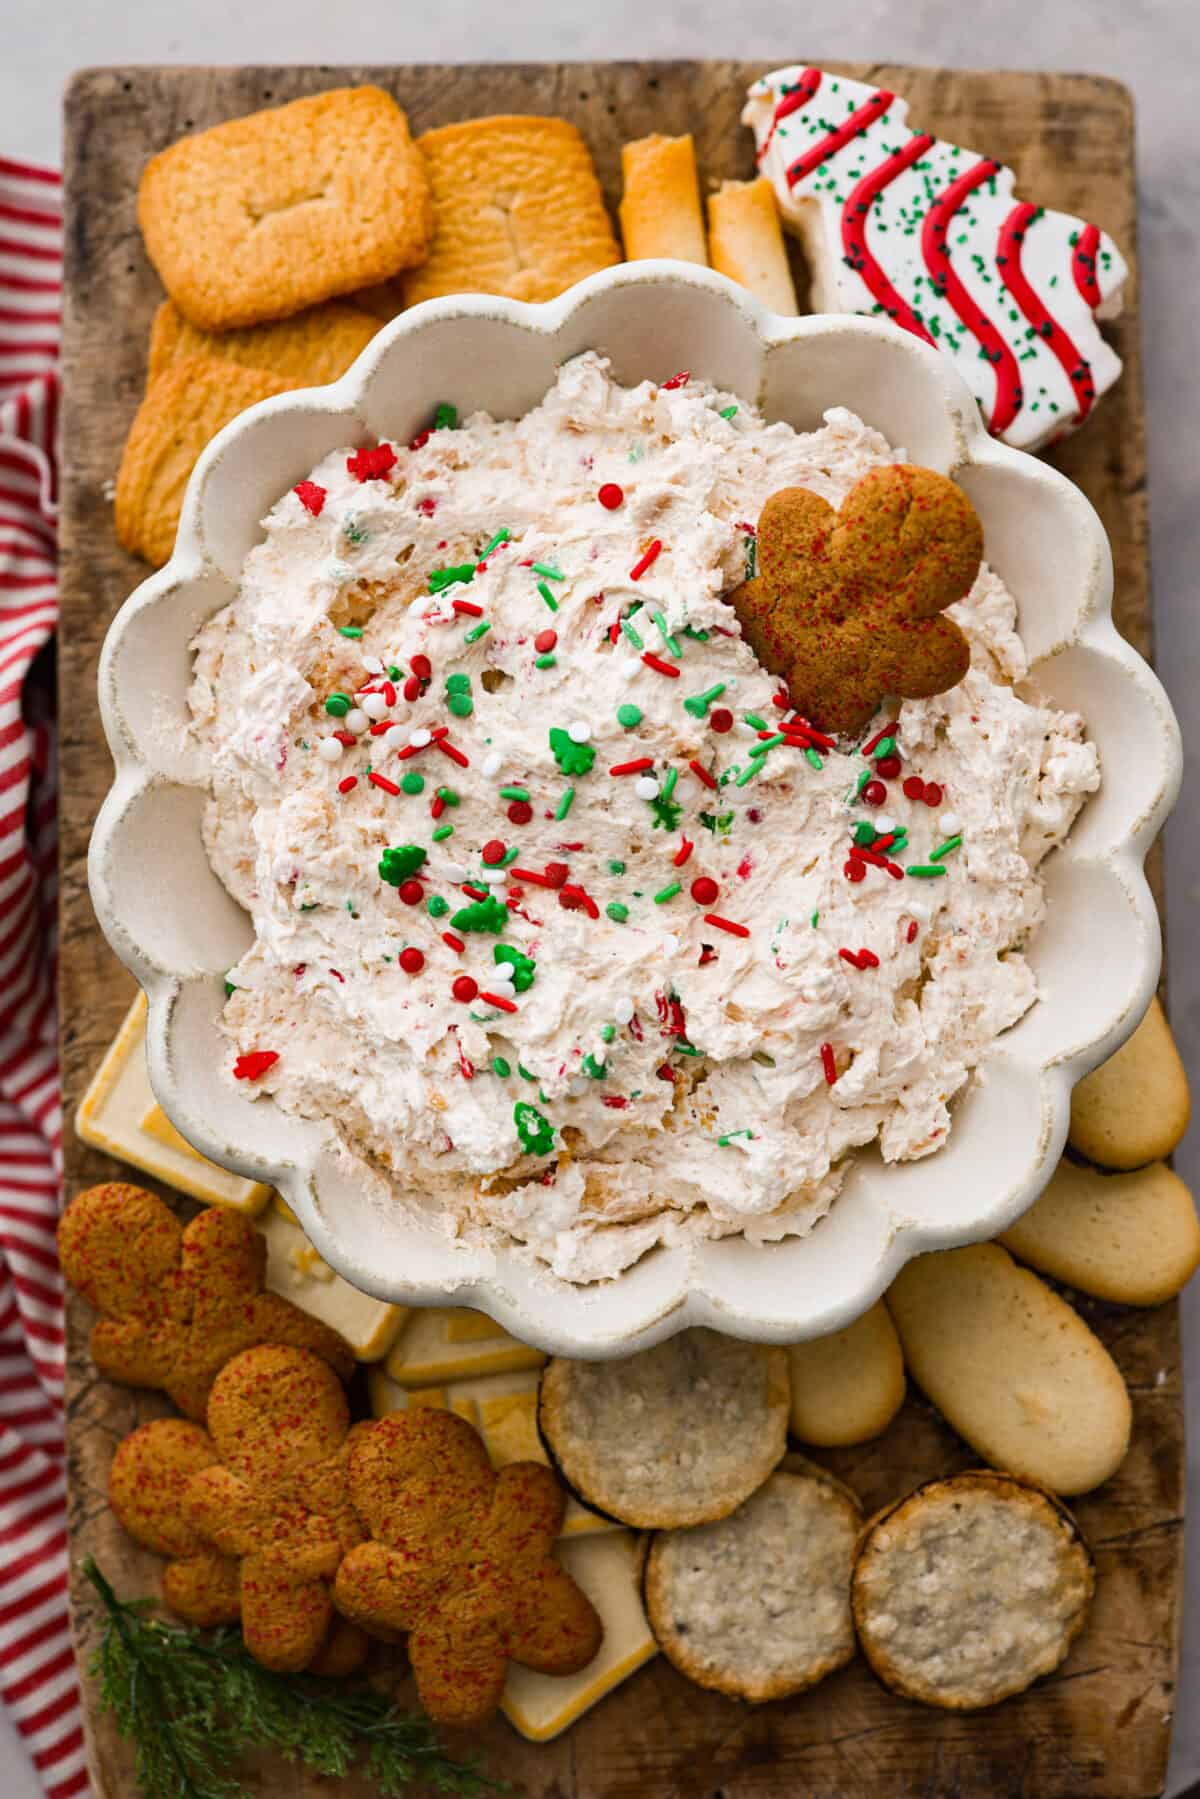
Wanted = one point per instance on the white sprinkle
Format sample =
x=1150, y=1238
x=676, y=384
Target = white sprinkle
x=670, y=943
x=950, y=823
x=623, y=1010
x=646, y=787
x=395, y=737
x=630, y=666
x=456, y=872
x=421, y=605
x=502, y=972
x=494, y=877
x=884, y=823
x=579, y=730
x=373, y=665
x=374, y=705
x=420, y=738
x=356, y=720
x=493, y=764
x=600, y=1053
x=329, y=749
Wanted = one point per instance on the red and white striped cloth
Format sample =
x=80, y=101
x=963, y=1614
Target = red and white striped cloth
x=38, y=1679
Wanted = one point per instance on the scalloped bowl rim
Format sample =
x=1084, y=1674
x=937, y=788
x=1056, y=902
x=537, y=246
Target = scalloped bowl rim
x=701, y=1283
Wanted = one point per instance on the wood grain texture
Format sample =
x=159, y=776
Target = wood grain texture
x=1099, y=1727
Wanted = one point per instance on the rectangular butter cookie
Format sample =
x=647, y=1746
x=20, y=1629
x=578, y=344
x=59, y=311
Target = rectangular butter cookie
x=182, y=411
x=312, y=348
x=260, y=217
x=660, y=208
x=519, y=210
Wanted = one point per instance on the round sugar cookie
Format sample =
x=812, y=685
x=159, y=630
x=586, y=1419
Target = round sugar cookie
x=847, y=1387
x=679, y=1434
x=969, y=1589
x=757, y=1605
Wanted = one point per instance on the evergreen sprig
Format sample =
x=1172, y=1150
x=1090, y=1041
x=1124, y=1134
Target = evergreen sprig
x=193, y=1701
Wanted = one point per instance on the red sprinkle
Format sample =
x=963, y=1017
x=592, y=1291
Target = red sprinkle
x=726, y=924
x=573, y=899
x=372, y=465
x=465, y=988
x=721, y=720
x=848, y=955
x=632, y=768
x=380, y=726
x=455, y=755
x=855, y=871
x=438, y=806
x=611, y=496
x=469, y=607
x=520, y=812
x=347, y=782
x=346, y=738
x=411, y=961
x=867, y=959
x=818, y=737
x=828, y=1063
x=494, y=999
x=683, y=852
x=493, y=851
x=914, y=788
x=389, y=693
x=887, y=731
x=679, y=380
x=530, y=874
x=254, y=1063
x=702, y=774
x=545, y=641
x=456, y=943
x=644, y=562
x=656, y=662
x=873, y=794
x=422, y=667
x=888, y=766
x=428, y=505
x=932, y=794
x=411, y=892
x=704, y=890
x=378, y=780
x=911, y=932
x=310, y=496
x=476, y=893
x=412, y=688
x=615, y=1102
x=556, y=873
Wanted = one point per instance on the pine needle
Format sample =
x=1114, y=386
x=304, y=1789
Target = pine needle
x=193, y=1701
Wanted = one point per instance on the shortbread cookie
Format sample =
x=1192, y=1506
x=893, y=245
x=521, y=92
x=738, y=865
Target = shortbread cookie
x=970, y=1589
x=757, y=1605
x=120, y=1115
x=1135, y=1107
x=312, y=348
x=847, y=1387
x=265, y=215
x=660, y=207
x=382, y=302
x=1014, y=1369
x=446, y=1343
x=295, y=1270
x=607, y=1570
x=182, y=411
x=519, y=210
x=745, y=242
x=1130, y=1238
x=898, y=224
x=678, y=1434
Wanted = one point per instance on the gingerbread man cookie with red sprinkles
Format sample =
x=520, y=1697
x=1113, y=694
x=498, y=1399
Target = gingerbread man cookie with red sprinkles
x=847, y=606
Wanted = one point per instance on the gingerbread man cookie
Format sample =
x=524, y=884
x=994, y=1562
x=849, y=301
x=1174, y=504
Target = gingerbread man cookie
x=847, y=606
x=460, y=1559
x=176, y=1304
x=147, y=1483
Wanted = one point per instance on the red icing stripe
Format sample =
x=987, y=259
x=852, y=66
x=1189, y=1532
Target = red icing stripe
x=854, y=233
x=1008, y=261
x=1083, y=264
x=837, y=140
x=938, y=219
x=800, y=95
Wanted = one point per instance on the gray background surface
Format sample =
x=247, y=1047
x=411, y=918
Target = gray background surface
x=1146, y=43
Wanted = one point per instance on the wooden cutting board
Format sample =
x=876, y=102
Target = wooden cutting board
x=1100, y=1726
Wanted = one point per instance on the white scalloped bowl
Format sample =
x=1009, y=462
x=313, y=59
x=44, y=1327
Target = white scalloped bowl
x=1096, y=957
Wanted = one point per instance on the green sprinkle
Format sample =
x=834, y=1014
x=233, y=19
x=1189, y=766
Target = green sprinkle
x=691, y=631
x=459, y=683
x=668, y=893
x=551, y=573
x=565, y=803
x=524, y=1072
x=442, y=832
x=546, y=661
x=229, y=988
x=460, y=704
x=514, y=793
x=865, y=834
x=617, y=912
x=436, y=906
x=632, y=635
x=862, y=781
x=597, y=1070
x=394, y=673
x=412, y=782
x=762, y=1058
x=812, y=758
x=441, y=578
x=350, y=630
x=608, y=1032
x=547, y=596
x=727, y=412
x=448, y=796
x=753, y=718
x=885, y=747
x=337, y=705
x=524, y=968
x=309, y=906
x=671, y=642
x=481, y=915
x=699, y=703
x=508, y=858
x=815, y=920
x=616, y=868
x=350, y=909
x=925, y=871
x=768, y=743
x=715, y=822
x=748, y=773
x=944, y=849
x=502, y=536
x=477, y=631
x=687, y=1049
x=572, y=758
x=535, y=1131
x=668, y=784
x=501, y=1067
x=730, y=1137
x=400, y=862
x=629, y=716
x=446, y=417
